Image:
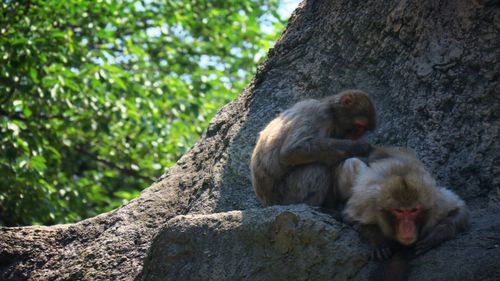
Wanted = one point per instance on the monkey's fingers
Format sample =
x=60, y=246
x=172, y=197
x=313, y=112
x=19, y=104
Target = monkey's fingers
x=373, y=255
x=382, y=252
x=386, y=253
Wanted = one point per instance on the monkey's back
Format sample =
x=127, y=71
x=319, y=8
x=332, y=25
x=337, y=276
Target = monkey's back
x=304, y=119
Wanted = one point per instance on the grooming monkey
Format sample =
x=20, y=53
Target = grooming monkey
x=396, y=200
x=296, y=155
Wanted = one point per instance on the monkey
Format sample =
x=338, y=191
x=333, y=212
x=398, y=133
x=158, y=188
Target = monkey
x=395, y=202
x=296, y=154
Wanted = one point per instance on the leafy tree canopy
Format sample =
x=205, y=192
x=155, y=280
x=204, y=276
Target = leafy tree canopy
x=97, y=98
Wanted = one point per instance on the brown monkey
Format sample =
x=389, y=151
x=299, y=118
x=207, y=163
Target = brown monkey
x=296, y=154
x=395, y=199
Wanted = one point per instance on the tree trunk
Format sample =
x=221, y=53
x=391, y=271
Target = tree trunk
x=432, y=67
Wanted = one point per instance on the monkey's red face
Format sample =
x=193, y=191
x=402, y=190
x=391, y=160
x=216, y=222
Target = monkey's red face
x=359, y=128
x=406, y=231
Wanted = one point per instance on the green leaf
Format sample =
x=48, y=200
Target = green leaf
x=14, y=128
x=27, y=112
x=38, y=163
x=34, y=75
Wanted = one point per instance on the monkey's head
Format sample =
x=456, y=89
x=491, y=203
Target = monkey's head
x=404, y=203
x=353, y=113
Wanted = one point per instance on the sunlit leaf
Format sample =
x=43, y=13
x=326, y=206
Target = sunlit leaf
x=38, y=163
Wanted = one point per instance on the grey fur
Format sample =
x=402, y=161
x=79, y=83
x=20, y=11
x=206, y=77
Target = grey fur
x=296, y=155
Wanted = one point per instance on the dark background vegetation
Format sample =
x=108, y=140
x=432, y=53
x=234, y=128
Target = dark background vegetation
x=98, y=98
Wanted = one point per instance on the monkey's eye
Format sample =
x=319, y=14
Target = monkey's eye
x=398, y=211
x=415, y=210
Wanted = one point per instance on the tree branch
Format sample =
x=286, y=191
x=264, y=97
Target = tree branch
x=127, y=171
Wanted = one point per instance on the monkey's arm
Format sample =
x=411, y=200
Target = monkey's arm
x=397, y=268
x=323, y=150
x=456, y=221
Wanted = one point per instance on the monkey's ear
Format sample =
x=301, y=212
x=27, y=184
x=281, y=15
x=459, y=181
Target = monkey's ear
x=346, y=100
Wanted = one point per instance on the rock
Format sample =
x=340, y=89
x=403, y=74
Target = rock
x=276, y=243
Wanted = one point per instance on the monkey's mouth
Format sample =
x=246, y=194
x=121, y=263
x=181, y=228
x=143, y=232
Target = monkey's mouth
x=406, y=241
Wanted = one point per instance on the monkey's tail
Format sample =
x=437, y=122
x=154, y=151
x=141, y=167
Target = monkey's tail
x=397, y=268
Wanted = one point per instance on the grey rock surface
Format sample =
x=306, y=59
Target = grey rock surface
x=432, y=68
x=277, y=243
x=300, y=243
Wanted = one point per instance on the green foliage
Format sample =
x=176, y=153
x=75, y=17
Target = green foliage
x=97, y=98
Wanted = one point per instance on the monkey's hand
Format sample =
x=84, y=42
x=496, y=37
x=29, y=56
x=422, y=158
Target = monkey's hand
x=382, y=250
x=382, y=247
x=442, y=231
x=360, y=148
